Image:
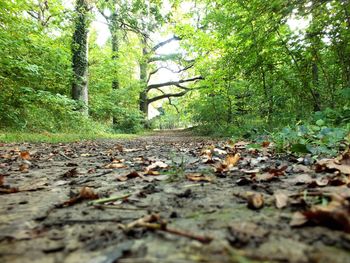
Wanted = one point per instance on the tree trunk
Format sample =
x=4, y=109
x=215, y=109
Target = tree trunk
x=113, y=28
x=80, y=55
x=143, y=99
x=315, y=45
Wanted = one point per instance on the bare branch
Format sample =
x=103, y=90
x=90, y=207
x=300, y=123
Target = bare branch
x=171, y=70
x=33, y=14
x=165, y=96
x=172, y=56
x=159, y=45
x=173, y=83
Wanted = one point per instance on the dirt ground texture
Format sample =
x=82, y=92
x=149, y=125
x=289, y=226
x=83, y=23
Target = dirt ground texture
x=178, y=198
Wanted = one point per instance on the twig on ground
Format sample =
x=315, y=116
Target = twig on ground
x=65, y=156
x=119, y=207
x=154, y=222
x=108, y=199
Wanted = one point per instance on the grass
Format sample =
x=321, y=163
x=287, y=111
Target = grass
x=20, y=137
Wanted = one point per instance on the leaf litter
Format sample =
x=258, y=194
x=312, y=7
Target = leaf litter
x=172, y=197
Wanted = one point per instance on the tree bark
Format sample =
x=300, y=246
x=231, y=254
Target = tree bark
x=143, y=99
x=80, y=55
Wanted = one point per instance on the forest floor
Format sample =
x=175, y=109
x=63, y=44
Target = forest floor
x=171, y=197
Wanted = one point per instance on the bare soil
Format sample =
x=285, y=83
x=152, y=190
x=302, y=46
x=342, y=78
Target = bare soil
x=205, y=209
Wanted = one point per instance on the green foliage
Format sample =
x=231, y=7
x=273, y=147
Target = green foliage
x=17, y=137
x=42, y=111
x=318, y=137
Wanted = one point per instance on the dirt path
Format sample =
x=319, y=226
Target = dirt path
x=196, y=187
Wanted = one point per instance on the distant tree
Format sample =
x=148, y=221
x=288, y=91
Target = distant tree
x=80, y=54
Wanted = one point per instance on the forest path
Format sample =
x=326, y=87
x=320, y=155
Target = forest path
x=208, y=204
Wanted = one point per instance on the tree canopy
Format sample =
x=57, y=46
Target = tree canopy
x=220, y=65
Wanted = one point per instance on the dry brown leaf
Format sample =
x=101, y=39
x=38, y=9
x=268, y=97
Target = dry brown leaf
x=241, y=145
x=198, y=177
x=332, y=165
x=128, y=176
x=85, y=193
x=335, y=215
x=119, y=147
x=319, y=182
x=24, y=167
x=254, y=171
x=71, y=173
x=278, y=171
x=2, y=180
x=255, y=200
x=281, y=199
x=264, y=177
x=207, y=153
x=25, y=155
x=298, y=219
x=151, y=172
x=157, y=165
x=232, y=160
x=115, y=165
x=265, y=144
x=8, y=190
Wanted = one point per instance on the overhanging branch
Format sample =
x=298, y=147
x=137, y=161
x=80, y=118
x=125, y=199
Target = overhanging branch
x=173, y=83
x=161, y=44
x=165, y=96
x=172, y=56
x=171, y=70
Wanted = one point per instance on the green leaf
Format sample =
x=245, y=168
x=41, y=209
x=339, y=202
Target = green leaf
x=299, y=148
x=320, y=123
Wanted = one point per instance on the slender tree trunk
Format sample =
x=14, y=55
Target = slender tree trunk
x=229, y=104
x=143, y=100
x=346, y=8
x=113, y=28
x=315, y=45
x=80, y=55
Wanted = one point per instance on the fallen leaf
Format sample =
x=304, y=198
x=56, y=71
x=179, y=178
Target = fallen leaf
x=119, y=147
x=25, y=155
x=265, y=144
x=255, y=201
x=232, y=160
x=71, y=173
x=278, y=171
x=115, y=164
x=254, y=171
x=198, y=177
x=218, y=151
x=264, y=177
x=8, y=190
x=229, y=162
x=298, y=219
x=24, y=167
x=335, y=215
x=243, y=181
x=241, y=145
x=333, y=165
x=128, y=176
x=151, y=172
x=157, y=165
x=85, y=193
x=319, y=182
x=2, y=180
x=281, y=199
